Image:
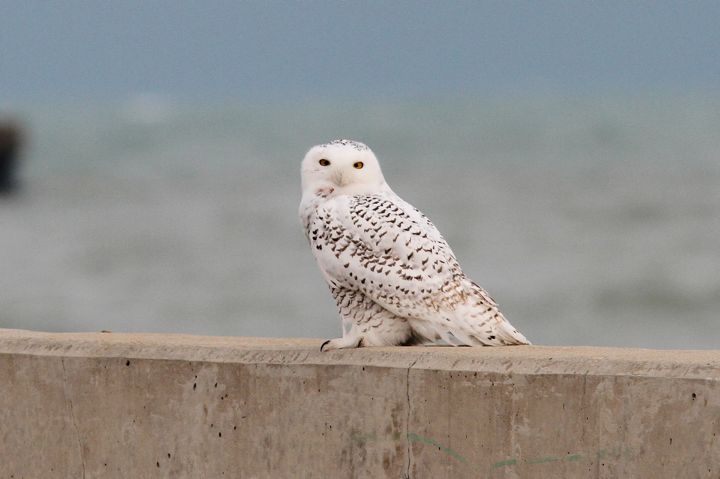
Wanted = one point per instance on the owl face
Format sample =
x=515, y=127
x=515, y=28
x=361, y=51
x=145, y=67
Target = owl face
x=341, y=167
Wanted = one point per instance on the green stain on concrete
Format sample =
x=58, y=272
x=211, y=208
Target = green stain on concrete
x=426, y=440
x=543, y=459
x=362, y=439
x=615, y=453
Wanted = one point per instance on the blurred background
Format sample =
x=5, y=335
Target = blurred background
x=568, y=151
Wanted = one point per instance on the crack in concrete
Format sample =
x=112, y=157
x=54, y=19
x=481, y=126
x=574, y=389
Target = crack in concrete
x=582, y=404
x=72, y=416
x=407, y=420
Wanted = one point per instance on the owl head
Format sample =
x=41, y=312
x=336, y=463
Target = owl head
x=342, y=167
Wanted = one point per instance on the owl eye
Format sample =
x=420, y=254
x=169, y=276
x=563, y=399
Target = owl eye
x=358, y=165
x=324, y=162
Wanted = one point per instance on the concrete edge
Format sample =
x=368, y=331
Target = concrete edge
x=533, y=360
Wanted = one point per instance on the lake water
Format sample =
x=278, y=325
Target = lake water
x=592, y=221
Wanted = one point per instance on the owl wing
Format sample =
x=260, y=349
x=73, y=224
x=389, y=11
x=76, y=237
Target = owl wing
x=383, y=247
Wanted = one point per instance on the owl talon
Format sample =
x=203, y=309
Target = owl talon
x=341, y=343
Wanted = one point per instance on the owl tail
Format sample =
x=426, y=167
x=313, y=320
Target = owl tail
x=509, y=335
x=489, y=328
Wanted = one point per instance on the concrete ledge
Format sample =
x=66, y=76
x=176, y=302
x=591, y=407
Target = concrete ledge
x=141, y=405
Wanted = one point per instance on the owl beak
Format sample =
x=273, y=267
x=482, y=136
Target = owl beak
x=339, y=179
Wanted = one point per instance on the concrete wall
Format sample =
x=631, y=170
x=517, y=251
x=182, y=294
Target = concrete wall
x=139, y=405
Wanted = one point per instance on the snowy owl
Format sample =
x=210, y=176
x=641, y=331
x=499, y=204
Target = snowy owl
x=394, y=278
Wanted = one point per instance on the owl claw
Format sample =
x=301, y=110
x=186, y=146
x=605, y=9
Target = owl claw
x=342, y=343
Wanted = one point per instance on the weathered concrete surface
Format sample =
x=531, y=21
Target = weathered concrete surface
x=139, y=405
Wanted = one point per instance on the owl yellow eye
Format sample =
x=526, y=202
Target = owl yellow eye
x=358, y=165
x=324, y=162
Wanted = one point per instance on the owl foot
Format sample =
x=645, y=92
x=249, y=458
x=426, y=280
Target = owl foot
x=342, y=343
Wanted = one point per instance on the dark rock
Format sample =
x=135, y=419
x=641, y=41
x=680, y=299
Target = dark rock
x=11, y=140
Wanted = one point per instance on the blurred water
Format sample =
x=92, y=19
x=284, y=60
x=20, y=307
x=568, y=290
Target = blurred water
x=592, y=221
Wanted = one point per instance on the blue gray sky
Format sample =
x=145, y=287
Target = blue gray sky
x=71, y=50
